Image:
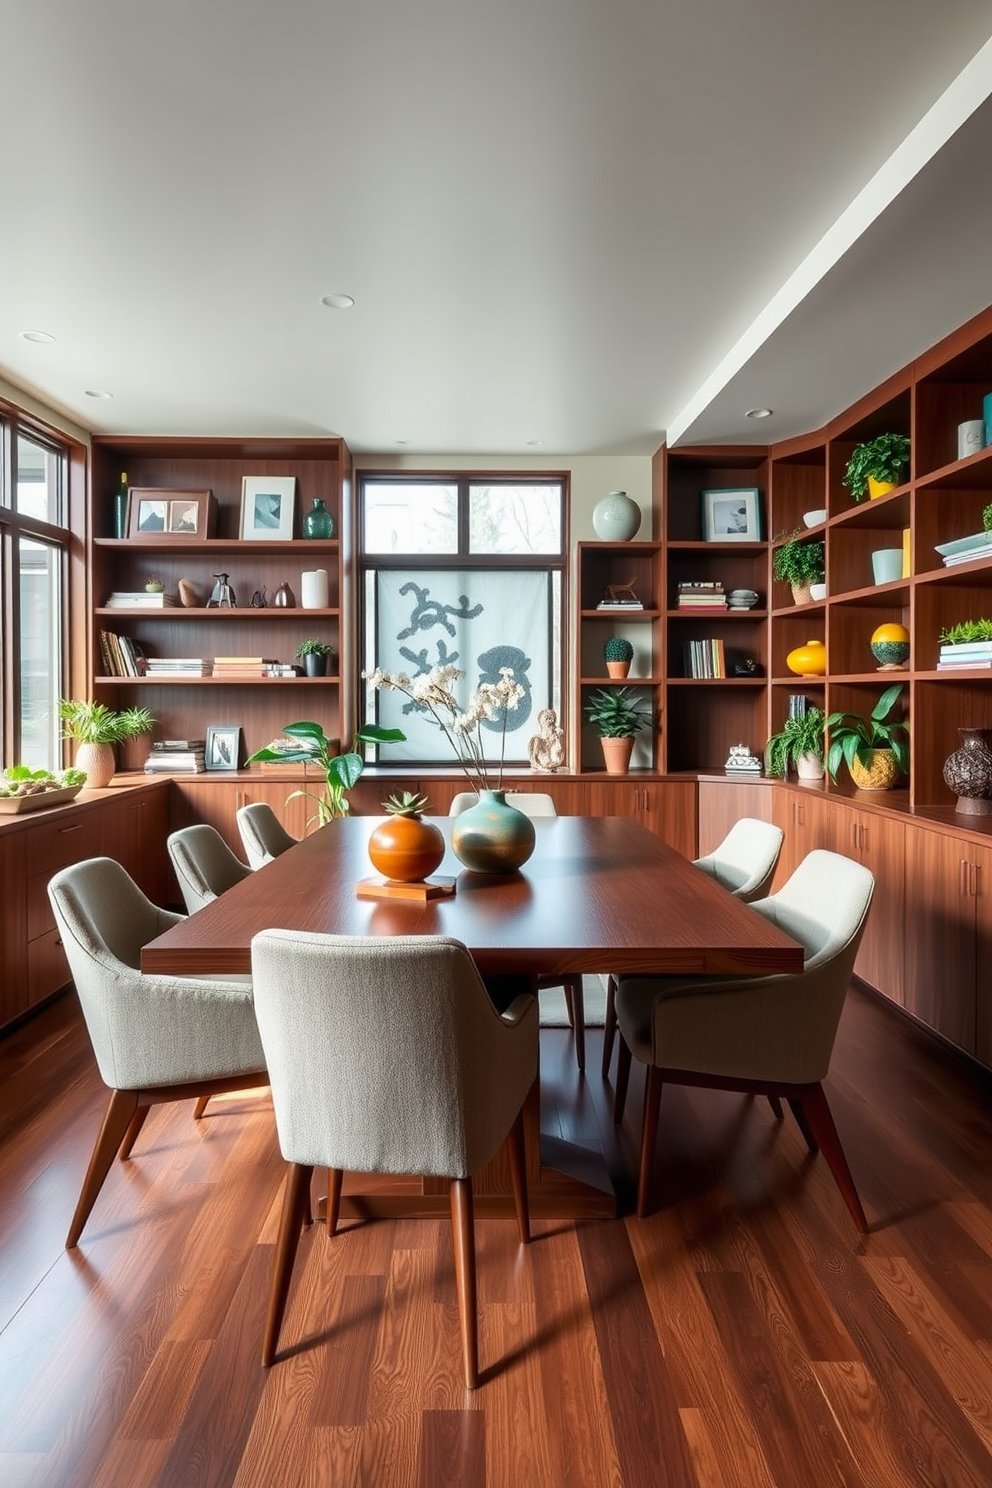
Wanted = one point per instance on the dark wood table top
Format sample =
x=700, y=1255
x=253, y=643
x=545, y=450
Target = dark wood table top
x=599, y=894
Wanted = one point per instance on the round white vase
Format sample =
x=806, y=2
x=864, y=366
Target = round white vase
x=616, y=518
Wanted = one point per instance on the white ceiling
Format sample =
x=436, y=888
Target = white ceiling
x=568, y=225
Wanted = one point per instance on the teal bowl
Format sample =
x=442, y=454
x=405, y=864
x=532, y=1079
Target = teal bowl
x=890, y=653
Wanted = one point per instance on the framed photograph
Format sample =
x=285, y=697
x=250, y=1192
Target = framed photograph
x=153, y=513
x=267, y=503
x=223, y=749
x=732, y=515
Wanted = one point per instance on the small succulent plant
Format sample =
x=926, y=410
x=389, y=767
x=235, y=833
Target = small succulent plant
x=617, y=649
x=406, y=803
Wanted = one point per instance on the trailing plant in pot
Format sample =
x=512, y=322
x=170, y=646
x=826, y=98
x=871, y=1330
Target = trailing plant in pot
x=881, y=460
x=800, y=564
x=873, y=748
x=799, y=742
x=97, y=728
x=315, y=656
x=404, y=847
x=617, y=714
x=618, y=654
x=341, y=771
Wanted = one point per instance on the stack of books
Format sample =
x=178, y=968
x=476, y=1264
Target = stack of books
x=244, y=666
x=178, y=666
x=966, y=549
x=140, y=599
x=169, y=755
x=120, y=656
x=705, y=659
x=962, y=654
x=619, y=604
x=702, y=595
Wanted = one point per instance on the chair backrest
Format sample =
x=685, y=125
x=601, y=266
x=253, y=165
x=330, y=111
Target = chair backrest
x=823, y=905
x=531, y=803
x=205, y=865
x=262, y=833
x=746, y=859
x=385, y=1054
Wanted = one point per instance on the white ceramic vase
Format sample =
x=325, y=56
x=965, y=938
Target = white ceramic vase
x=616, y=518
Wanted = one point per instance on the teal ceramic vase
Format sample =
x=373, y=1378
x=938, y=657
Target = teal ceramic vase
x=492, y=837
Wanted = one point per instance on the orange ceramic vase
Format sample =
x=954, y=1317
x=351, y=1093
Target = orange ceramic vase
x=406, y=848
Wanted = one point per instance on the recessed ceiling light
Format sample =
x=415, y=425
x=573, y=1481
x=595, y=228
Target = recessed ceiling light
x=402, y=441
x=759, y=413
x=96, y=393
x=533, y=443
x=338, y=301
x=41, y=336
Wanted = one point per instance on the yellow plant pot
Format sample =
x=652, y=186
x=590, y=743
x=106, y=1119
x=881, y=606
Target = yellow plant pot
x=879, y=488
x=809, y=660
x=880, y=774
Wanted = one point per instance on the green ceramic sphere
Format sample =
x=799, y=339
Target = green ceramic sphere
x=890, y=653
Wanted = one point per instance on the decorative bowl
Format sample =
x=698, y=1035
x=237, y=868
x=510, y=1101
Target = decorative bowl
x=815, y=518
x=742, y=599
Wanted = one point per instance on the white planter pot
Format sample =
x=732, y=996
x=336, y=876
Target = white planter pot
x=808, y=767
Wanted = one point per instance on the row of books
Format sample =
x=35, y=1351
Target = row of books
x=705, y=658
x=970, y=555
x=620, y=604
x=120, y=656
x=963, y=654
x=170, y=755
x=702, y=594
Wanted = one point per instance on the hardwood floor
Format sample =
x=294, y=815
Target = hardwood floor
x=742, y=1337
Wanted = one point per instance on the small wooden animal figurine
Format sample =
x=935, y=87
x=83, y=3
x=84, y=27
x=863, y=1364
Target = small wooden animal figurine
x=616, y=592
x=546, y=750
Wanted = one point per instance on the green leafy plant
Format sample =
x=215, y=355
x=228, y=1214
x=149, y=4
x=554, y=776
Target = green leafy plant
x=95, y=723
x=853, y=736
x=884, y=459
x=406, y=803
x=987, y=518
x=341, y=771
x=618, y=649
x=967, y=630
x=797, y=562
x=617, y=712
x=21, y=780
x=310, y=647
x=798, y=736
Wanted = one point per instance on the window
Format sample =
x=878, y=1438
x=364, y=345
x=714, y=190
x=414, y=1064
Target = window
x=463, y=570
x=34, y=540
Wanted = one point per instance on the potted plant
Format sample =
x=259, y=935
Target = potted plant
x=874, y=749
x=97, y=728
x=800, y=564
x=404, y=847
x=618, y=654
x=799, y=742
x=876, y=466
x=618, y=715
x=341, y=771
x=314, y=656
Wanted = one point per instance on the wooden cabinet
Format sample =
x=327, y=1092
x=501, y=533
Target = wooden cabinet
x=949, y=934
x=806, y=816
x=261, y=705
x=879, y=842
x=722, y=801
x=666, y=807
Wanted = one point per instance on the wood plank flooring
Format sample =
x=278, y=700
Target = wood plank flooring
x=742, y=1337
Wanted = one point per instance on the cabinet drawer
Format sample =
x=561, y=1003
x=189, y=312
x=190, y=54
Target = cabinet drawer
x=53, y=845
x=39, y=911
x=48, y=970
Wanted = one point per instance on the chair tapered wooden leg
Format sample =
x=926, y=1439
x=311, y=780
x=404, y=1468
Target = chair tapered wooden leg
x=200, y=1107
x=463, y=1238
x=623, y=1080
x=119, y=1115
x=130, y=1136
x=334, y=1180
x=518, y=1175
x=649, y=1133
x=294, y=1201
x=820, y=1117
x=609, y=1024
x=578, y=1021
x=776, y=1106
x=796, y=1107
x=566, y=987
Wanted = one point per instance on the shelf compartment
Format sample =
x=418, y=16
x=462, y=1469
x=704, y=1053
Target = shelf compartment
x=798, y=485
x=702, y=727
x=692, y=471
x=941, y=707
x=605, y=564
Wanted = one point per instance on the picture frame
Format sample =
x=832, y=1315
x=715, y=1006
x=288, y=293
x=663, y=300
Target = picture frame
x=223, y=747
x=732, y=514
x=158, y=514
x=267, y=507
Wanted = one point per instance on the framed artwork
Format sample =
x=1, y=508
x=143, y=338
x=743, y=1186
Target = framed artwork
x=156, y=513
x=267, y=503
x=732, y=515
x=223, y=749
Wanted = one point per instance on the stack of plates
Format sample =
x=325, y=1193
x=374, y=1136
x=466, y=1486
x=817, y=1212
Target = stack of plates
x=742, y=599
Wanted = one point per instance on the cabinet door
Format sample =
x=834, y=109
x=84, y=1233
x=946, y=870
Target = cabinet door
x=722, y=803
x=13, y=923
x=807, y=819
x=880, y=844
x=134, y=829
x=666, y=807
x=981, y=882
x=941, y=948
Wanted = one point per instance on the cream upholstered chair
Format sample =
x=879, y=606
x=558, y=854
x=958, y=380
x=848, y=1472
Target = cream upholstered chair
x=156, y=1038
x=768, y=1035
x=262, y=833
x=205, y=865
x=744, y=863
x=538, y=804
x=385, y=1055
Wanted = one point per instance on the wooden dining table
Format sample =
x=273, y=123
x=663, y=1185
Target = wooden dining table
x=599, y=894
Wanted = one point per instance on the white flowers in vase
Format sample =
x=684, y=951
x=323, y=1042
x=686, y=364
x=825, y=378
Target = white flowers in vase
x=432, y=691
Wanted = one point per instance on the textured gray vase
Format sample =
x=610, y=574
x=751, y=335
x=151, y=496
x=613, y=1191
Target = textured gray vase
x=968, y=771
x=616, y=518
x=492, y=837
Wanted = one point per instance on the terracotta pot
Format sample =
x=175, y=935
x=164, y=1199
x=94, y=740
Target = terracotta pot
x=880, y=774
x=968, y=772
x=99, y=763
x=616, y=755
x=406, y=848
x=618, y=668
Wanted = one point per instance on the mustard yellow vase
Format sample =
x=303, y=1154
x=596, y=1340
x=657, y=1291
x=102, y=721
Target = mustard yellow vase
x=809, y=660
x=880, y=774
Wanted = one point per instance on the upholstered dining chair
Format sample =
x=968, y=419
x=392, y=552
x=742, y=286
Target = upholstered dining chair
x=385, y=1055
x=262, y=833
x=156, y=1038
x=744, y=863
x=540, y=804
x=205, y=866
x=770, y=1036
